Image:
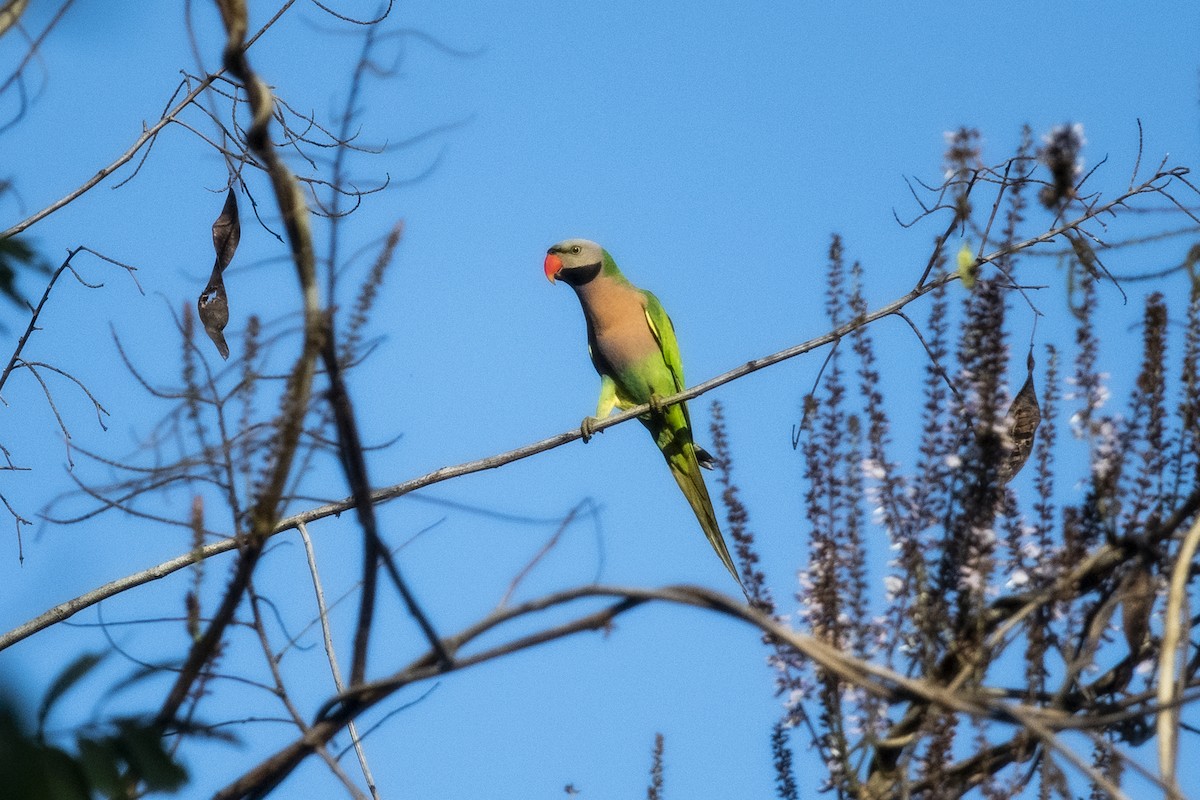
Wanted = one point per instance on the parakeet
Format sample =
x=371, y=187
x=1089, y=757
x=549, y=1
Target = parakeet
x=632, y=344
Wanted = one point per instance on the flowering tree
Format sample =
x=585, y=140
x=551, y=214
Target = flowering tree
x=997, y=594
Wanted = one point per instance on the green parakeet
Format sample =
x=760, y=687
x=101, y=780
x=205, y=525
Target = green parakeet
x=632, y=344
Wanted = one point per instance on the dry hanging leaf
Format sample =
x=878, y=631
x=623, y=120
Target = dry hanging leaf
x=227, y=231
x=1137, y=594
x=1022, y=420
x=213, y=304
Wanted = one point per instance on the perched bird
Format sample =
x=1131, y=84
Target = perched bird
x=632, y=344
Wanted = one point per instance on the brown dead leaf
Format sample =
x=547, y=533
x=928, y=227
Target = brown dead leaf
x=213, y=304
x=1137, y=594
x=227, y=232
x=1023, y=418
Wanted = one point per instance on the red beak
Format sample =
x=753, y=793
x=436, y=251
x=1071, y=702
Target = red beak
x=553, y=266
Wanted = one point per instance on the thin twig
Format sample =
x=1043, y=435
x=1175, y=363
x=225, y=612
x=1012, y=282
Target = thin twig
x=542, y=552
x=64, y=610
x=148, y=135
x=34, y=45
x=937, y=366
x=297, y=718
x=264, y=514
x=335, y=670
x=37, y=310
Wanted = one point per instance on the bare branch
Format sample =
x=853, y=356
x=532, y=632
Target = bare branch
x=148, y=135
x=264, y=514
x=68, y=608
x=335, y=670
x=1174, y=632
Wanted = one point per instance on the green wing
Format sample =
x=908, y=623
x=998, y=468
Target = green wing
x=664, y=333
x=673, y=433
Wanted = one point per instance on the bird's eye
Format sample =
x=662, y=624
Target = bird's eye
x=576, y=249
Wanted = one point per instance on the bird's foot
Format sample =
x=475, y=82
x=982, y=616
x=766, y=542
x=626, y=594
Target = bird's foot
x=656, y=404
x=587, y=428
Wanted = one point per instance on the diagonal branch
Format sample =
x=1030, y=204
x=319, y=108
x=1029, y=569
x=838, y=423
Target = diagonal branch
x=67, y=609
x=148, y=135
x=71, y=607
x=872, y=678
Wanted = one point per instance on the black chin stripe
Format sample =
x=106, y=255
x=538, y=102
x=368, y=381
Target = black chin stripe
x=578, y=276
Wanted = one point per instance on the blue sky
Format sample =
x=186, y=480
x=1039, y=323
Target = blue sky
x=713, y=148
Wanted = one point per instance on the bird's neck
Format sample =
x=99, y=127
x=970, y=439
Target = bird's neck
x=605, y=295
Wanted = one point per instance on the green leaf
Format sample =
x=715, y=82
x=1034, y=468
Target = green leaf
x=62, y=776
x=74, y=672
x=101, y=763
x=16, y=254
x=142, y=746
x=142, y=673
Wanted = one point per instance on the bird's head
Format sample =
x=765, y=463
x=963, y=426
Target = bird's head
x=576, y=261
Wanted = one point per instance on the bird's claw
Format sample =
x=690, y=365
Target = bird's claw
x=587, y=428
x=656, y=404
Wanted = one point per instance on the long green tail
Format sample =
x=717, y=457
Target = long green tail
x=677, y=447
x=692, y=483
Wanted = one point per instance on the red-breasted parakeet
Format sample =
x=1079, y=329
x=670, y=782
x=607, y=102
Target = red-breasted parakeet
x=632, y=344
